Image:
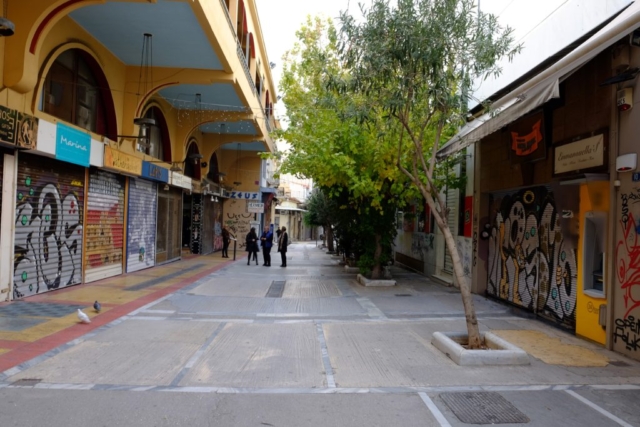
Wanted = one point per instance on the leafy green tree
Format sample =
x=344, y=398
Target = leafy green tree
x=320, y=213
x=415, y=62
x=330, y=144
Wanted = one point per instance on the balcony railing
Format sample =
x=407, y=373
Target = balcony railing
x=239, y=50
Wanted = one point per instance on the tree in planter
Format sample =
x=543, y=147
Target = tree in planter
x=416, y=62
x=352, y=162
x=320, y=213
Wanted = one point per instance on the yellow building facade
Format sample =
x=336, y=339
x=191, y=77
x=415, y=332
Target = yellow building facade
x=126, y=129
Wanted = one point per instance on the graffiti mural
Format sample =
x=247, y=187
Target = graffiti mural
x=217, y=227
x=141, y=227
x=237, y=220
x=196, y=224
x=422, y=244
x=627, y=259
x=531, y=264
x=48, y=236
x=464, y=249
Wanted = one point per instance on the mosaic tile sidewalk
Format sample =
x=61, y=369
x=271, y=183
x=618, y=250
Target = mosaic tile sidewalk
x=35, y=325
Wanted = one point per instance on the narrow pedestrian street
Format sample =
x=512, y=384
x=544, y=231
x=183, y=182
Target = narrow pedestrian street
x=210, y=341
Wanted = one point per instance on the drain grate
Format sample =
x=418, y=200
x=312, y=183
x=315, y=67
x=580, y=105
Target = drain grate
x=403, y=295
x=276, y=289
x=26, y=382
x=485, y=407
x=38, y=309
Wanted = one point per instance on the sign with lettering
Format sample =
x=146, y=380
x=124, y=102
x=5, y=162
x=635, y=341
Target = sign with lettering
x=123, y=162
x=17, y=128
x=181, y=181
x=255, y=207
x=154, y=172
x=635, y=177
x=580, y=155
x=72, y=145
x=244, y=195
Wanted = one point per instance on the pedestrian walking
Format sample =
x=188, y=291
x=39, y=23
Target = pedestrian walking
x=266, y=241
x=283, y=241
x=226, y=239
x=252, y=246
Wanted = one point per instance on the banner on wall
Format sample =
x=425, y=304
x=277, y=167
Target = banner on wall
x=122, y=162
x=17, y=129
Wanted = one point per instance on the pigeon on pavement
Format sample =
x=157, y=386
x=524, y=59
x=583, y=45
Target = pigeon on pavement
x=83, y=317
x=97, y=307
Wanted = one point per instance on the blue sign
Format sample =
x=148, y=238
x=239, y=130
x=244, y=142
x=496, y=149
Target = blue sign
x=154, y=172
x=243, y=195
x=635, y=177
x=72, y=145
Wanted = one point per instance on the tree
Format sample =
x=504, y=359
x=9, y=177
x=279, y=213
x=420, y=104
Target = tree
x=330, y=144
x=416, y=62
x=320, y=214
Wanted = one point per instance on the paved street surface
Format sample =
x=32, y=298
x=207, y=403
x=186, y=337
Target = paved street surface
x=207, y=342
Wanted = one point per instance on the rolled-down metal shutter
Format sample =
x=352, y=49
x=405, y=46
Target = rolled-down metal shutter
x=196, y=224
x=208, y=212
x=141, y=225
x=49, y=225
x=217, y=226
x=104, y=226
x=452, y=222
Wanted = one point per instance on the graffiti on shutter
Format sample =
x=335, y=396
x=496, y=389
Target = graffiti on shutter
x=141, y=225
x=49, y=225
x=531, y=262
x=104, y=226
x=217, y=227
x=207, y=225
x=196, y=224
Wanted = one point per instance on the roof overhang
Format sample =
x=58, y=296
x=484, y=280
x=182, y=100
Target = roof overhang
x=544, y=86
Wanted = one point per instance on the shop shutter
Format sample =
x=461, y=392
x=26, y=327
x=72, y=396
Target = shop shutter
x=170, y=231
x=452, y=222
x=217, y=226
x=208, y=220
x=104, y=226
x=141, y=225
x=49, y=225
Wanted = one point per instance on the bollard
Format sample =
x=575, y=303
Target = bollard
x=235, y=241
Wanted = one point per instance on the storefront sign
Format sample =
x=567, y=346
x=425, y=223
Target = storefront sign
x=17, y=128
x=181, y=181
x=154, y=172
x=243, y=195
x=527, y=138
x=72, y=145
x=255, y=207
x=122, y=162
x=580, y=155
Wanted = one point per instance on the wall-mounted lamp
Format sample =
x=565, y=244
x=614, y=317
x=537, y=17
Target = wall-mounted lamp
x=7, y=27
x=214, y=199
x=627, y=162
x=175, y=166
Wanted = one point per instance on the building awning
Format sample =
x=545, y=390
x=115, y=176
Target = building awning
x=290, y=209
x=544, y=86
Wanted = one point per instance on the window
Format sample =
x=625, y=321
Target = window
x=72, y=93
x=192, y=166
x=159, y=144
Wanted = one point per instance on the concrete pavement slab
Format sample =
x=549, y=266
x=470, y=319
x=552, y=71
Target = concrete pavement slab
x=255, y=355
x=93, y=362
x=621, y=403
x=57, y=408
x=173, y=331
x=232, y=287
x=310, y=289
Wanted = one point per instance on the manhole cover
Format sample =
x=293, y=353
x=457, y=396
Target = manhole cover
x=26, y=382
x=483, y=408
x=276, y=289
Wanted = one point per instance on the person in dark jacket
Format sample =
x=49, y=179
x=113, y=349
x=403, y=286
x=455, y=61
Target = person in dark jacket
x=266, y=241
x=252, y=245
x=282, y=245
x=226, y=238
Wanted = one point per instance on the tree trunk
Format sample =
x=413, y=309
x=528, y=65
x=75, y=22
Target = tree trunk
x=376, y=271
x=473, y=330
x=329, y=236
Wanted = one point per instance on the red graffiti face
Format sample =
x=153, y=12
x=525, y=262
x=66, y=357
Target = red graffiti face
x=628, y=265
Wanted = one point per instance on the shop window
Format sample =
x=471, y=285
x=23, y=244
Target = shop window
x=191, y=166
x=74, y=91
x=214, y=172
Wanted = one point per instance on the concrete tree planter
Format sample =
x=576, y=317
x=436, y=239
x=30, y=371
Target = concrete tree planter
x=368, y=282
x=350, y=269
x=498, y=351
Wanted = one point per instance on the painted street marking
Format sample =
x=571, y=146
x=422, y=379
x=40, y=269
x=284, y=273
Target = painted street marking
x=159, y=311
x=434, y=410
x=599, y=409
x=371, y=308
x=326, y=360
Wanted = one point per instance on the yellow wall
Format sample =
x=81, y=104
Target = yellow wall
x=587, y=308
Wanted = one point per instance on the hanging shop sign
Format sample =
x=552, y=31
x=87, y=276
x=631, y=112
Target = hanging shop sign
x=527, y=138
x=182, y=181
x=244, y=195
x=154, y=172
x=72, y=145
x=583, y=155
x=18, y=129
x=122, y=162
x=255, y=207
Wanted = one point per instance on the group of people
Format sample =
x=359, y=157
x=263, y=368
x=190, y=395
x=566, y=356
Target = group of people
x=266, y=242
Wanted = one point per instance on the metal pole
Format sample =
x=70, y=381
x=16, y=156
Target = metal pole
x=234, y=248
